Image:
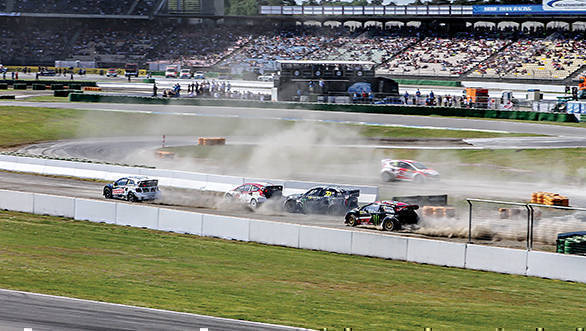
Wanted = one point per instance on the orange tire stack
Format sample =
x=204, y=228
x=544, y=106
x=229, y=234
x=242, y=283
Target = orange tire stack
x=165, y=154
x=202, y=141
x=551, y=199
x=439, y=212
x=91, y=88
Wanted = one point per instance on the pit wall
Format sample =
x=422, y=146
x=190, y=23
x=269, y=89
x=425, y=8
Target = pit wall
x=172, y=178
x=355, y=108
x=460, y=255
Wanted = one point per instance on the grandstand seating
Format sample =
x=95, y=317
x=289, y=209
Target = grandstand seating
x=555, y=57
x=444, y=56
x=402, y=52
x=98, y=7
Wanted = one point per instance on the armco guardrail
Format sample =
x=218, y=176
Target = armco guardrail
x=503, y=260
x=173, y=178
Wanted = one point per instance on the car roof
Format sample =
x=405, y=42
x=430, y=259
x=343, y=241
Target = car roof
x=139, y=178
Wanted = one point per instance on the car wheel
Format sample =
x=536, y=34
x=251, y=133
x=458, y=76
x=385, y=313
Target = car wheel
x=351, y=220
x=253, y=204
x=228, y=197
x=391, y=224
x=290, y=206
x=107, y=193
x=131, y=197
x=418, y=179
x=387, y=176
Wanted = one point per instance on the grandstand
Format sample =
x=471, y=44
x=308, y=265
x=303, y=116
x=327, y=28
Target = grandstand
x=456, y=51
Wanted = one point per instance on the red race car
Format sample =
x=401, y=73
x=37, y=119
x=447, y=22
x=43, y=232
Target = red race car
x=406, y=170
x=254, y=194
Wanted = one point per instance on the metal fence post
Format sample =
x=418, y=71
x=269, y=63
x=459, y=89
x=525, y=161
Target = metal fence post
x=530, y=229
x=529, y=222
x=469, y=221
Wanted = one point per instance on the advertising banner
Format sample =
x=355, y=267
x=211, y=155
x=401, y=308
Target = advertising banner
x=564, y=5
x=507, y=9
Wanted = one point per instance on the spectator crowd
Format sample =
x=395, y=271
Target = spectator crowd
x=398, y=51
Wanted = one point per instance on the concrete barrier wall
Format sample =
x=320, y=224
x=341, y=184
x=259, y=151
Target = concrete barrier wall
x=226, y=227
x=557, y=266
x=503, y=260
x=275, y=233
x=377, y=245
x=54, y=205
x=180, y=221
x=16, y=201
x=325, y=239
x=136, y=215
x=497, y=259
x=95, y=211
x=436, y=252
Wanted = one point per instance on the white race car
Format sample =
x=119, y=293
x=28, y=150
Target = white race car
x=407, y=170
x=254, y=194
x=133, y=188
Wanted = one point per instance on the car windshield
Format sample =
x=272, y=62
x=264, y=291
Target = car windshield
x=419, y=165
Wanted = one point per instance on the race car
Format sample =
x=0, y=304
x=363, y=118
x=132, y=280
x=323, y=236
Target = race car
x=386, y=215
x=332, y=200
x=185, y=74
x=112, y=72
x=133, y=188
x=254, y=194
x=406, y=170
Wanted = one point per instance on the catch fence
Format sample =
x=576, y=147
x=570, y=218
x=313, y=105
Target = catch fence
x=526, y=225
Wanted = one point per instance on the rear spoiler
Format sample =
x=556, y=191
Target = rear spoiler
x=271, y=191
x=353, y=193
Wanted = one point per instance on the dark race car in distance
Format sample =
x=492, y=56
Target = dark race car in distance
x=386, y=215
x=331, y=200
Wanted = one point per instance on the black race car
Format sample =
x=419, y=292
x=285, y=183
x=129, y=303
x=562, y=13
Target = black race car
x=386, y=215
x=331, y=200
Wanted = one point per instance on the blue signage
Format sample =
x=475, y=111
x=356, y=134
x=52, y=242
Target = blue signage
x=519, y=10
x=507, y=10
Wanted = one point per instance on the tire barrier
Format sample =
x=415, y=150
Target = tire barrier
x=550, y=199
x=19, y=86
x=203, y=141
x=91, y=88
x=39, y=87
x=57, y=87
x=12, y=97
x=571, y=243
x=461, y=255
x=356, y=108
x=3, y=86
x=46, y=82
x=438, y=211
x=164, y=154
x=63, y=93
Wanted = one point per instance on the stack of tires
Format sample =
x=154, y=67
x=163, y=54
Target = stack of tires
x=572, y=245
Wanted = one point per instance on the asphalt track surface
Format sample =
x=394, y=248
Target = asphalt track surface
x=567, y=132
x=22, y=310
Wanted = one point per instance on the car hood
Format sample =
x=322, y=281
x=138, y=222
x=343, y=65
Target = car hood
x=430, y=172
x=294, y=196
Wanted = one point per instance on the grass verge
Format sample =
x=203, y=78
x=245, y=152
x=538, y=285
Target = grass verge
x=270, y=284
